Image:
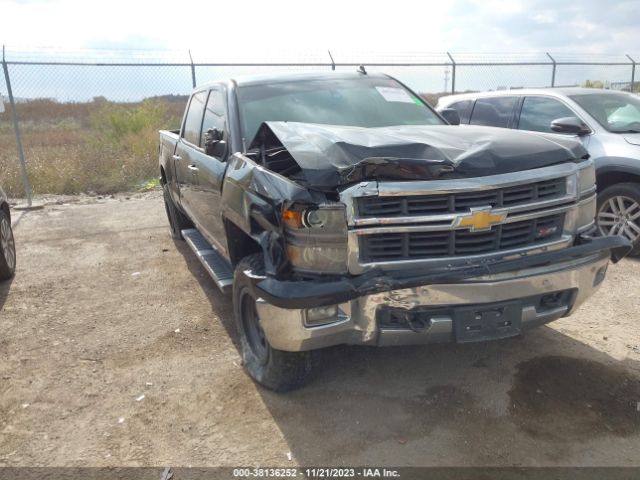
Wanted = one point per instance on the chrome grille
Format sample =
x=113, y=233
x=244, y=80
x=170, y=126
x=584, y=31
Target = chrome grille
x=393, y=206
x=395, y=246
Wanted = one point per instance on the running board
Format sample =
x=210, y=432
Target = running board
x=212, y=260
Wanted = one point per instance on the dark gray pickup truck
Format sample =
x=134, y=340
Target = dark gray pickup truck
x=341, y=209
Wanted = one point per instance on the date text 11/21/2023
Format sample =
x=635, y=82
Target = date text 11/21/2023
x=316, y=472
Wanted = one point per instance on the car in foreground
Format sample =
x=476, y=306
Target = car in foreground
x=7, y=243
x=606, y=122
x=341, y=209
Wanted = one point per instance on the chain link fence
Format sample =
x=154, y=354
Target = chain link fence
x=87, y=121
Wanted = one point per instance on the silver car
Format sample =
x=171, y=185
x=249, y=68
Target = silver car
x=607, y=122
x=7, y=243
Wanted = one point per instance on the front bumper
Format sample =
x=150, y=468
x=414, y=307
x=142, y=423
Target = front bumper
x=444, y=301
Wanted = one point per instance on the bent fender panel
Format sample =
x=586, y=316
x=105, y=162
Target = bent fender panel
x=253, y=199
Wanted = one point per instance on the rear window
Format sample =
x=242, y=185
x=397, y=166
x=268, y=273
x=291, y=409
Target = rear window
x=193, y=122
x=494, y=111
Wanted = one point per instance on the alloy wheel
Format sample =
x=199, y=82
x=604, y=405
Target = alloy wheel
x=7, y=244
x=620, y=215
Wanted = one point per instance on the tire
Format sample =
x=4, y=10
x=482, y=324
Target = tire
x=7, y=248
x=618, y=213
x=274, y=369
x=178, y=221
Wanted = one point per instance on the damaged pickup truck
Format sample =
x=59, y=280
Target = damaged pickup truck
x=341, y=209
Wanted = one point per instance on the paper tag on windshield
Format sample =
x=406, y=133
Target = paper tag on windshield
x=391, y=94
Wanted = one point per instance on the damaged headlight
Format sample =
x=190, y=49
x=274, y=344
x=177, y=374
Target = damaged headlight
x=317, y=238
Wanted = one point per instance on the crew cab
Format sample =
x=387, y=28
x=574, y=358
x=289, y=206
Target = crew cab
x=606, y=122
x=340, y=208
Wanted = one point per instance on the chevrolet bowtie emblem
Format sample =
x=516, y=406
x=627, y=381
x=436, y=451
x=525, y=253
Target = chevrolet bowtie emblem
x=480, y=219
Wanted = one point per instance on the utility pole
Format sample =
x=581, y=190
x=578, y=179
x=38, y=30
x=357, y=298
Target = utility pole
x=16, y=128
x=446, y=79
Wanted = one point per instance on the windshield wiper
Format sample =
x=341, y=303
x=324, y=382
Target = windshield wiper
x=631, y=130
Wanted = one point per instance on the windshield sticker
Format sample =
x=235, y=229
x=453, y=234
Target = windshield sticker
x=394, y=94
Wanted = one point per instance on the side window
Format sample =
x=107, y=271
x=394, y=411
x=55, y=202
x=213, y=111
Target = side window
x=464, y=109
x=538, y=113
x=193, y=122
x=493, y=111
x=215, y=113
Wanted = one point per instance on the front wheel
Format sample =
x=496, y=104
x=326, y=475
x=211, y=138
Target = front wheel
x=274, y=369
x=618, y=213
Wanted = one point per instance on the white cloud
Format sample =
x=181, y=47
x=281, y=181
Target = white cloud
x=545, y=17
x=275, y=28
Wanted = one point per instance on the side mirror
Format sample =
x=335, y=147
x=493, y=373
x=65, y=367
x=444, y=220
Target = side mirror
x=451, y=115
x=214, y=145
x=572, y=125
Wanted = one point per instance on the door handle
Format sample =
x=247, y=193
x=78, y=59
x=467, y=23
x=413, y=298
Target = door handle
x=193, y=168
x=177, y=157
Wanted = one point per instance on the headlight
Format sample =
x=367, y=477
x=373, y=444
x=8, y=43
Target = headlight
x=586, y=178
x=317, y=238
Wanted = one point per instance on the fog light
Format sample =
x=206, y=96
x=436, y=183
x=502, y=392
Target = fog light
x=321, y=315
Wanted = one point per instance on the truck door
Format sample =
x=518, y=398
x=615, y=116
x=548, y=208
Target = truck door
x=211, y=166
x=187, y=151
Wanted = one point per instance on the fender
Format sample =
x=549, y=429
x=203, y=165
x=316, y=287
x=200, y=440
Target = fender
x=253, y=199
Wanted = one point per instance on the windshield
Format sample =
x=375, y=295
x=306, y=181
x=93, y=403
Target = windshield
x=359, y=102
x=617, y=112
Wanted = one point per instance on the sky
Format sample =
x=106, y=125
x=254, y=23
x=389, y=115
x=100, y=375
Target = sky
x=587, y=26
x=303, y=31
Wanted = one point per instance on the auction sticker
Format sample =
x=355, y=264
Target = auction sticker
x=391, y=94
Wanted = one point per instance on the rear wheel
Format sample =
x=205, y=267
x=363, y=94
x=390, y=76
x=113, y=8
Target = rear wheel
x=274, y=369
x=7, y=248
x=619, y=213
x=178, y=221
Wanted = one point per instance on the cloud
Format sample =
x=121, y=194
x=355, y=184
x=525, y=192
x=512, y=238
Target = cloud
x=588, y=27
x=279, y=27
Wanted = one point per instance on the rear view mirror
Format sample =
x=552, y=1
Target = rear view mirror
x=572, y=125
x=451, y=115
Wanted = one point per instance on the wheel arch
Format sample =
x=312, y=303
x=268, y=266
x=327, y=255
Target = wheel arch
x=240, y=243
x=613, y=174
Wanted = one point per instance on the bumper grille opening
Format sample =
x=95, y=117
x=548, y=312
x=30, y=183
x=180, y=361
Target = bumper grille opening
x=384, y=247
x=460, y=202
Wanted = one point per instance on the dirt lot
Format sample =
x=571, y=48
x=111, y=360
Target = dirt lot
x=106, y=308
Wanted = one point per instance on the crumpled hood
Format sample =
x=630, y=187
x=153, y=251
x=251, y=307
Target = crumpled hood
x=331, y=155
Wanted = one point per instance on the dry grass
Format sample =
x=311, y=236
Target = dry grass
x=98, y=146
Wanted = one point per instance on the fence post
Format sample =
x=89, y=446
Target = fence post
x=16, y=128
x=333, y=64
x=193, y=70
x=553, y=70
x=453, y=74
x=633, y=72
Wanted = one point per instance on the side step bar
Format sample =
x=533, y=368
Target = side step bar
x=212, y=260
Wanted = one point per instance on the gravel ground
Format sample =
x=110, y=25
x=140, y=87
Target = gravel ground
x=116, y=349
